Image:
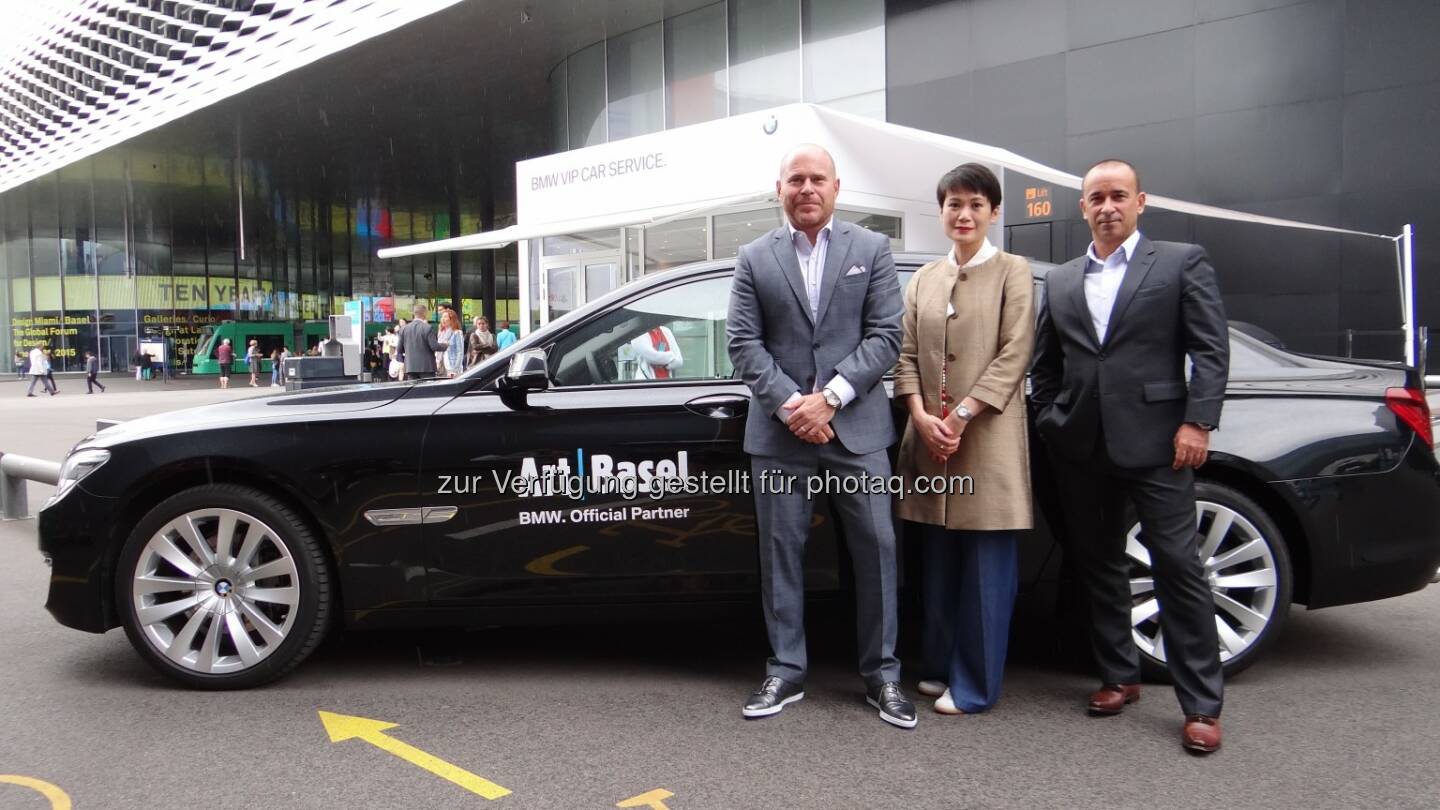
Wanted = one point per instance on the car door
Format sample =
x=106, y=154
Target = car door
x=558, y=500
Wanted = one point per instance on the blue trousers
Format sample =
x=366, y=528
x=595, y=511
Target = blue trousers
x=969, y=584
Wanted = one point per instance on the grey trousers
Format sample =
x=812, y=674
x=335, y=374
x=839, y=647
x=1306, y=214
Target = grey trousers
x=783, y=524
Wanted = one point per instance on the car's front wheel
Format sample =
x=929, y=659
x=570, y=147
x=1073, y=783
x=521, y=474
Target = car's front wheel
x=223, y=587
x=1247, y=567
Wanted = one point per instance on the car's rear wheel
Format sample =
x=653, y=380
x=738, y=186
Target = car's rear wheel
x=223, y=587
x=1247, y=567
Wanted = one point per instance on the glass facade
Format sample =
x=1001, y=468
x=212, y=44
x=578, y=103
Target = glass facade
x=725, y=58
x=270, y=205
x=137, y=243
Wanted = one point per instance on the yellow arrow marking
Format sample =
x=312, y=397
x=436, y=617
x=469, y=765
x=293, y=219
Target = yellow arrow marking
x=545, y=566
x=655, y=798
x=59, y=799
x=343, y=727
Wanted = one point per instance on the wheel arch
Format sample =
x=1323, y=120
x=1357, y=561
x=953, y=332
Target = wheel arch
x=190, y=473
x=1292, y=531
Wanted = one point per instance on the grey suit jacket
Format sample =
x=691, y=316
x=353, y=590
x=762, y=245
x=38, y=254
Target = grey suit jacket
x=1133, y=385
x=417, y=346
x=779, y=348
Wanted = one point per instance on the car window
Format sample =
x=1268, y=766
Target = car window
x=670, y=335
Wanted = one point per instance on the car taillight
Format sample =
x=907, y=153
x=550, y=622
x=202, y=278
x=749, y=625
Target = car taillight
x=1410, y=406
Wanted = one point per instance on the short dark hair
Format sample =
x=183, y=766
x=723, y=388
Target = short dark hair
x=975, y=178
x=1114, y=162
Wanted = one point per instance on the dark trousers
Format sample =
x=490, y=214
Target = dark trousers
x=969, y=595
x=91, y=380
x=1093, y=495
x=783, y=523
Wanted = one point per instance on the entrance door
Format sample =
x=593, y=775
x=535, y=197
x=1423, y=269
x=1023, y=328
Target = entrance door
x=561, y=293
x=116, y=351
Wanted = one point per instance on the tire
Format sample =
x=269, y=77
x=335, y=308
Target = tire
x=1248, y=567
x=231, y=620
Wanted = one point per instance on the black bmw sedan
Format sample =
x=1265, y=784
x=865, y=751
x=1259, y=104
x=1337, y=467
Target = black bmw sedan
x=560, y=480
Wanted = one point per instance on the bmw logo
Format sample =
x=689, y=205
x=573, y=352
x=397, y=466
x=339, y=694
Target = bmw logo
x=223, y=587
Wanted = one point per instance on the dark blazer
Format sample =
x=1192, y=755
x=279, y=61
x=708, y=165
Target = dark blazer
x=1133, y=385
x=778, y=348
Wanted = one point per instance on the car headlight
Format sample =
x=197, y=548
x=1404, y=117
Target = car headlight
x=78, y=465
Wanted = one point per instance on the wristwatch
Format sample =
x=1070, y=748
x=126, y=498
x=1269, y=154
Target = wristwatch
x=831, y=398
x=1205, y=426
x=964, y=413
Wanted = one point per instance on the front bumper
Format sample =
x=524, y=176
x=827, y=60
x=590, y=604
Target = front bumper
x=76, y=536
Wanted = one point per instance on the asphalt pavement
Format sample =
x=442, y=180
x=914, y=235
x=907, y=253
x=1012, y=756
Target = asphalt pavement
x=1342, y=713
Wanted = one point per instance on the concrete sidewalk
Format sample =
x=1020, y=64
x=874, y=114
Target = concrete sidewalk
x=71, y=382
x=36, y=426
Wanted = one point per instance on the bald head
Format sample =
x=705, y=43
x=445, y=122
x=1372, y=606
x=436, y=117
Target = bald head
x=1114, y=164
x=807, y=187
x=808, y=151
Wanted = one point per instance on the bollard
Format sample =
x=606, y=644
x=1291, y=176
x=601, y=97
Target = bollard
x=14, y=472
x=12, y=494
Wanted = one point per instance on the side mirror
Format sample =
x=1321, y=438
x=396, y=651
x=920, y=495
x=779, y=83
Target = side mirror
x=528, y=371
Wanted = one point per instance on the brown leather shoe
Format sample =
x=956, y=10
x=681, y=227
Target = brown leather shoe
x=1201, y=734
x=1112, y=697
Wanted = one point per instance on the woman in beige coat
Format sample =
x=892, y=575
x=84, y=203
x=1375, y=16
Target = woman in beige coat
x=969, y=327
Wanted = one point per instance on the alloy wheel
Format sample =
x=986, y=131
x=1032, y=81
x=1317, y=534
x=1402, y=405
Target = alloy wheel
x=1240, y=568
x=215, y=590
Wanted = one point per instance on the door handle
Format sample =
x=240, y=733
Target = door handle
x=719, y=406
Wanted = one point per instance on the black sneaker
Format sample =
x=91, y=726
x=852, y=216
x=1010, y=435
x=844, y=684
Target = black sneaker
x=895, y=708
x=773, y=696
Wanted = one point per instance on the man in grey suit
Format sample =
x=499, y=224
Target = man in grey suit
x=814, y=324
x=1121, y=423
x=416, y=346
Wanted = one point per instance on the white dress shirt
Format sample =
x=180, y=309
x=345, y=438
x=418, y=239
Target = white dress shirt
x=811, y=259
x=1102, y=282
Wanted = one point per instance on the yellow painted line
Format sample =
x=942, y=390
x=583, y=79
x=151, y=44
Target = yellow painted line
x=545, y=566
x=342, y=727
x=653, y=798
x=59, y=799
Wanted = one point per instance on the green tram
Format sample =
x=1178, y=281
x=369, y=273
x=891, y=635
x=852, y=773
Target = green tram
x=299, y=337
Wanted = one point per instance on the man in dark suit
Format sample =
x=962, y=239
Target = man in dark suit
x=814, y=324
x=1120, y=422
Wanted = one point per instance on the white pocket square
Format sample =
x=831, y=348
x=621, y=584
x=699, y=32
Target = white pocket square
x=856, y=270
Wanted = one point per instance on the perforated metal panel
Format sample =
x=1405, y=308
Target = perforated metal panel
x=88, y=74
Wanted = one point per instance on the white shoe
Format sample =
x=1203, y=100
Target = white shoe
x=946, y=705
x=931, y=688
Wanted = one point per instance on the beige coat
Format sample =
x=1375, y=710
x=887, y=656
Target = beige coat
x=986, y=347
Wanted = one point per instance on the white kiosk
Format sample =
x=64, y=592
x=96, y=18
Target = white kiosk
x=592, y=219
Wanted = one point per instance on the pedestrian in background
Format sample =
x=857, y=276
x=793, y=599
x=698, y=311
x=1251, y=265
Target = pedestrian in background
x=252, y=359
x=504, y=337
x=92, y=374
x=482, y=341
x=418, y=346
x=40, y=371
x=225, y=354
x=50, y=371
x=452, y=343
x=968, y=330
x=277, y=366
